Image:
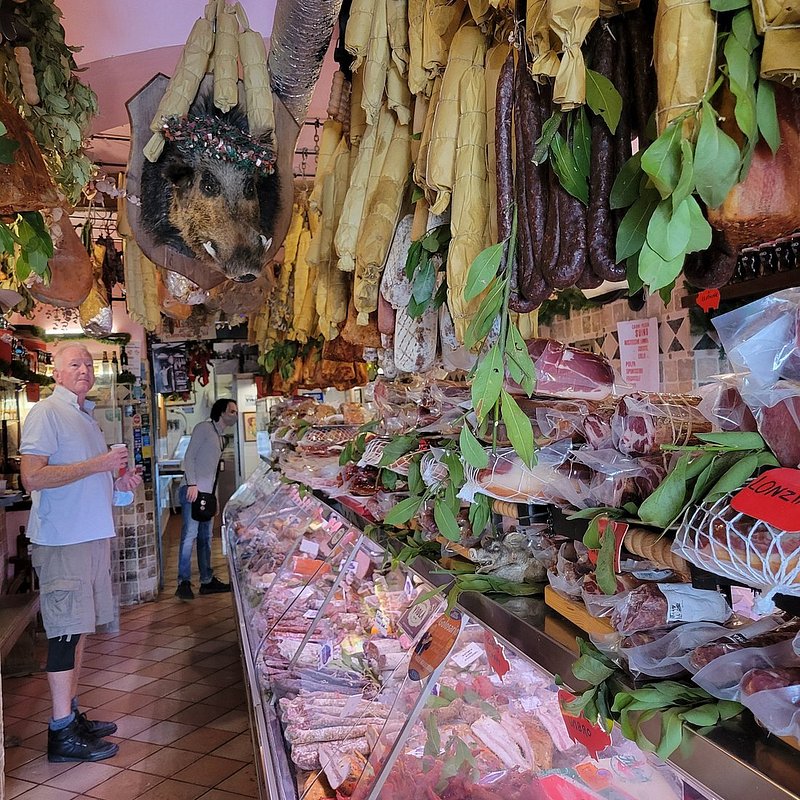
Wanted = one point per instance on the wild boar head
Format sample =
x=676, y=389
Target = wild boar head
x=215, y=202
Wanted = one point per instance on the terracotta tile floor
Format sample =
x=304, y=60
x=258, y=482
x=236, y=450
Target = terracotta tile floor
x=172, y=681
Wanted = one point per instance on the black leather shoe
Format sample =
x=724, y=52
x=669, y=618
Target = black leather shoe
x=69, y=744
x=94, y=728
x=214, y=586
x=184, y=591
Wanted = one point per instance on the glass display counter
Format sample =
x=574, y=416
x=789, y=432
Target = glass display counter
x=362, y=684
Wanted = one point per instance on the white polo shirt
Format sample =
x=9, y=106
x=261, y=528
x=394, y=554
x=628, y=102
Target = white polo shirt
x=56, y=427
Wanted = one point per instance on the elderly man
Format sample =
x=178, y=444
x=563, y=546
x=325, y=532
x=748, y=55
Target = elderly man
x=69, y=472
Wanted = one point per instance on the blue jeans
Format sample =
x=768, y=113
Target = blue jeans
x=191, y=531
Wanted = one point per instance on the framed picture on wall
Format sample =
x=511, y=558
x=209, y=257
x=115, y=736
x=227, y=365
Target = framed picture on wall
x=170, y=368
x=249, y=425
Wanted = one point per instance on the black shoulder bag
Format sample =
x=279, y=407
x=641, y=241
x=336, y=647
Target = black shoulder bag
x=204, y=507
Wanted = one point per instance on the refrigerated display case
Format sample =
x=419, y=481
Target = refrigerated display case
x=350, y=699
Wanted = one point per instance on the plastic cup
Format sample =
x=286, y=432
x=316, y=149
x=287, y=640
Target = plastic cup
x=122, y=470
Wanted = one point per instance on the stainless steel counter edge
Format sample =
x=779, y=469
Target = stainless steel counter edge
x=736, y=760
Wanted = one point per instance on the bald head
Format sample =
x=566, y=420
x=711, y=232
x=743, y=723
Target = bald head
x=73, y=369
x=65, y=350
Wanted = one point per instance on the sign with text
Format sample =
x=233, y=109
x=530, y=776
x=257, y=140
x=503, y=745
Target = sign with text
x=773, y=497
x=590, y=734
x=638, y=353
x=435, y=645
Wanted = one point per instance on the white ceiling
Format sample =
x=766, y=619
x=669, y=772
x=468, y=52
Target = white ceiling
x=126, y=42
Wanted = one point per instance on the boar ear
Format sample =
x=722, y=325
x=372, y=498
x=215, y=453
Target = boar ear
x=178, y=173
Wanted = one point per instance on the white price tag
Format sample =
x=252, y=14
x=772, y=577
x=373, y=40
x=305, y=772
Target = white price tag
x=310, y=614
x=351, y=706
x=309, y=547
x=469, y=655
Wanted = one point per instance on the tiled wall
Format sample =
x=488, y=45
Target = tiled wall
x=689, y=350
x=138, y=556
x=137, y=552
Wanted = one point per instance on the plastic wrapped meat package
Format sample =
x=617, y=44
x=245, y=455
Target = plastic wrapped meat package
x=762, y=342
x=657, y=605
x=764, y=679
x=568, y=372
x=507, y=477
x=716, y=537
x=765, y=632
x=667, y=652
x=763, y=337
x=738, y=402
x=643, y=422
x=552, y=421
x=321, y=472
x=571, y=567
x=415, y=403
x=613, y=479
x=493, y=728
x=326, y=440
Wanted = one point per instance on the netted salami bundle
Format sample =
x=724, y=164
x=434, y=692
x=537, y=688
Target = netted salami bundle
x=722, y=540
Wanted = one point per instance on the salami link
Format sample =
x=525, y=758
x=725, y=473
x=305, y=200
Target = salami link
x=640, y=41
x=504, y=171
x=601, y=175
x=528, y=288
x=551, y=244
x=712, y=268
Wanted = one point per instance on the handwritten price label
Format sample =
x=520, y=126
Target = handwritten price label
x=496, y=655
x=708, y=299
x=590, y=734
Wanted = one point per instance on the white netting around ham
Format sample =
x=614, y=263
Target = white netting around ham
x=373, y=454
x=726, y=542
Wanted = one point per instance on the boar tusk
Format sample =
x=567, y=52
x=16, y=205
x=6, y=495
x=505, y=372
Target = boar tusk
x=209, y=248
x=265, y=243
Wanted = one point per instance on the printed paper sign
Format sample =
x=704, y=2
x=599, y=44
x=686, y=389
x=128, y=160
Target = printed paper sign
x=638, y=353
x=435, y=645
x=773, y=497
x=415, y=617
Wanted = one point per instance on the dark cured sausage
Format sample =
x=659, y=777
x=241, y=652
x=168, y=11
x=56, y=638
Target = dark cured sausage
x=640, y=42
x=531, y=180
x=601, y=174
x=552, y=232
x=504, y=169
x=507, y=190
x=533, y=289
x=712, y=268
x=589, y=280
x=622, y=136
x=573, y=255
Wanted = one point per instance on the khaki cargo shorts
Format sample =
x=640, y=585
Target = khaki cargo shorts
x=74, y=586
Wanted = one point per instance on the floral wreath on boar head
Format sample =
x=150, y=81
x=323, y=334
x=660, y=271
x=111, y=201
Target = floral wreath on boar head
x=218, y=139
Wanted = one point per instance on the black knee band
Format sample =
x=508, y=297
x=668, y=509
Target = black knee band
x=61, y=653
